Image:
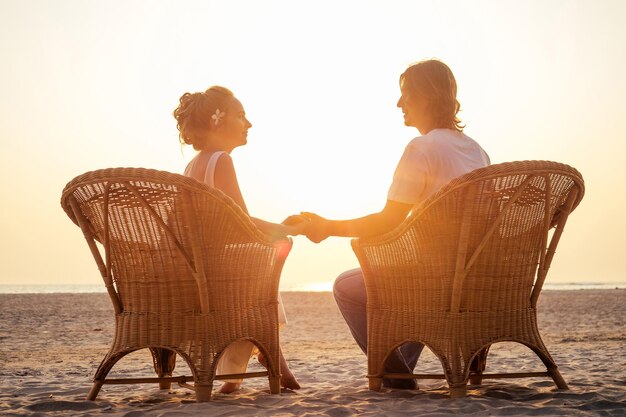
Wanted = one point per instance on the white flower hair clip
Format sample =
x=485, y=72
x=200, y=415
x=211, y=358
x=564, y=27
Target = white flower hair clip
x=218, y=116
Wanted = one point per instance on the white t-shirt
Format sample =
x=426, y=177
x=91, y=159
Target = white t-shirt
x=429, y=162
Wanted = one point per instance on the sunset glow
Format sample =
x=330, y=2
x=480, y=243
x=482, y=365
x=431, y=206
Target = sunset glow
x=89, y=85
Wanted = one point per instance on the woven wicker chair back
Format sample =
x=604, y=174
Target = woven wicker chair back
x=164, y=234
x=476, y=245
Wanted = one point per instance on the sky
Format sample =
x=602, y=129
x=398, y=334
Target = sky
x=91, y=84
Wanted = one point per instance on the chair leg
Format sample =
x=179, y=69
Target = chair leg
x=553, y=370
x=95, y=389
x=273, y=368
x=557, y=378
x=203, y=392
x=454, y=367
x=458, y=391
x=274, y=384
x=375, y=384
x=103, y=370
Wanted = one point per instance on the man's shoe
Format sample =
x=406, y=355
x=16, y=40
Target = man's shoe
x=400, y=383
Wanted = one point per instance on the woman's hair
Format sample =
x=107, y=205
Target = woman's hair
x=433, y=80
x=195, y=110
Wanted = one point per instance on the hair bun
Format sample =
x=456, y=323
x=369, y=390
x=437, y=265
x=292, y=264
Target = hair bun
x=193, y=114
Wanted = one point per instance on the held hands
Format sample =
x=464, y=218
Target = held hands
x=295, y=225
x=318, y=227
x=315, y=227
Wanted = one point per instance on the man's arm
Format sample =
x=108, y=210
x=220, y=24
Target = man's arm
x=391, y=216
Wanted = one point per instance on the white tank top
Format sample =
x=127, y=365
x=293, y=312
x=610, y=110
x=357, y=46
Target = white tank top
x=209, y=173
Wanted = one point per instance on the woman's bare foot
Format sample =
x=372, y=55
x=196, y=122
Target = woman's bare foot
x=287, y=378
x=230, y=387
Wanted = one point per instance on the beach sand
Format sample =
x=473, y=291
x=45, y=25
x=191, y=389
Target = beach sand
x=51, y=345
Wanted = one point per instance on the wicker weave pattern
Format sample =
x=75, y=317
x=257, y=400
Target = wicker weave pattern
x=186, y=269
x=465, y=269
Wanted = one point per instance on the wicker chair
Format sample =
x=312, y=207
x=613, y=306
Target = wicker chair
x=465, y=270
x=187, y=272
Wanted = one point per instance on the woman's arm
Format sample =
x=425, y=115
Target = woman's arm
x=278, y=230
x=226, y=181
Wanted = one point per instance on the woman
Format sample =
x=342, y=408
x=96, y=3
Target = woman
x=443, y=152
x=214, y=123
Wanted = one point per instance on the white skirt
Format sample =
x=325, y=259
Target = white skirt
x=235, y=358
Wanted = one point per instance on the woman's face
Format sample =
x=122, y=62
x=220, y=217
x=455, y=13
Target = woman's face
x=414, y=107
x=234, y=126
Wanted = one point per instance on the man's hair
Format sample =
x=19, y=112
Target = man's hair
x=433, y=81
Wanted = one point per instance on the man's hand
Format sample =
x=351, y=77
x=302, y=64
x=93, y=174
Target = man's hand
x=317, y=228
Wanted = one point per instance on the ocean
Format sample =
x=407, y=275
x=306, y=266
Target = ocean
x=99, y=288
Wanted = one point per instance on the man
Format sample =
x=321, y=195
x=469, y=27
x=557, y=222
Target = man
x=443, y=152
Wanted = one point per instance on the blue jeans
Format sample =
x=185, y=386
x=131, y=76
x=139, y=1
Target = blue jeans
x=351, y=298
